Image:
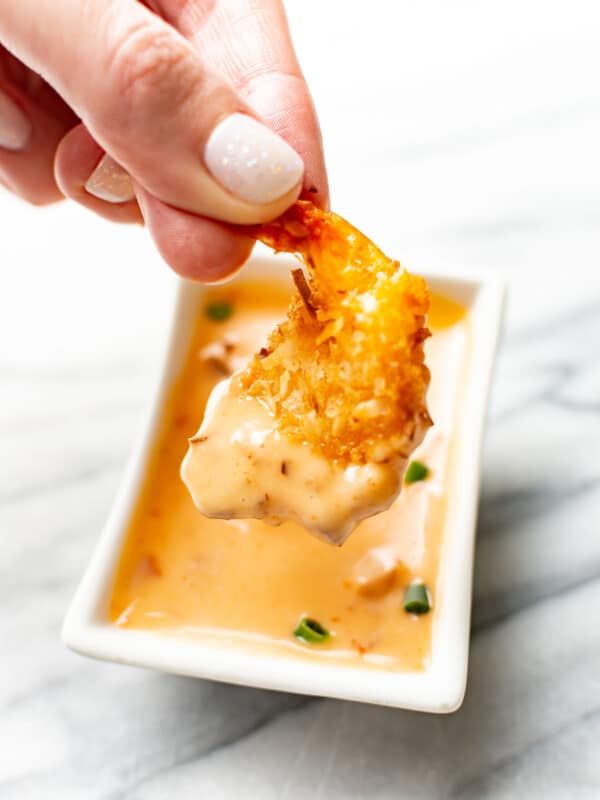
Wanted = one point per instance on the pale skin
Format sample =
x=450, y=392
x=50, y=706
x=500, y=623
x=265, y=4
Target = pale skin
x=147, y=84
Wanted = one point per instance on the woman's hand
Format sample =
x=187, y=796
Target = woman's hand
x=184, y=95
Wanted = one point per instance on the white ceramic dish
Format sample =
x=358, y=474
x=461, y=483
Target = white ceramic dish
x=440, y=687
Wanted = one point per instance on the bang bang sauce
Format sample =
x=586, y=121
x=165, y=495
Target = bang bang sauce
x=246, y=582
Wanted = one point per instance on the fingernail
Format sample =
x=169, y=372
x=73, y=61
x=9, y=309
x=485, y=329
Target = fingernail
x=15, y=128
x=251, y=161
x=110, y=182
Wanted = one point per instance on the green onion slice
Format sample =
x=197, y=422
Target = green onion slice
x=310, y=631
x=219, y=311
x=416, y=599
x=417, y=471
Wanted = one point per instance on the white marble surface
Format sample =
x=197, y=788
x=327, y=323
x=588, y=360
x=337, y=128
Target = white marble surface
x=457, y=133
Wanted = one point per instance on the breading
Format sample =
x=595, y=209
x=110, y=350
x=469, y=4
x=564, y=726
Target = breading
x=345, y=372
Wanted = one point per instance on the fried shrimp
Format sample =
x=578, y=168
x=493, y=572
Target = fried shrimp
x=345, y=371
x=338, y=394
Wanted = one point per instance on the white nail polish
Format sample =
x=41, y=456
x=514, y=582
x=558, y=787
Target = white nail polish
x=251, y=161
x=15, y=128
x=110, y=182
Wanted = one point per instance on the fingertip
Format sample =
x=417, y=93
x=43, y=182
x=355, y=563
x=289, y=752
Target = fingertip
x=320, y=197
x=284, y=101
x=28, y=137
x=197, y=248
x=76, y=165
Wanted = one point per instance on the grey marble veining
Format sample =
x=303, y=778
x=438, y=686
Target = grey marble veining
x=479, y=142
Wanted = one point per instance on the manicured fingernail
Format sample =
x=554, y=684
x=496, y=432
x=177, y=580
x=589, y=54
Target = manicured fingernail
x=110, y=182
x=251, y=161
x=15, y=128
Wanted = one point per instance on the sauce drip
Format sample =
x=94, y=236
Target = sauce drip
x=239, y=466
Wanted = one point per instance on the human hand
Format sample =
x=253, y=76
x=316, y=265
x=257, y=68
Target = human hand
x=171, y=90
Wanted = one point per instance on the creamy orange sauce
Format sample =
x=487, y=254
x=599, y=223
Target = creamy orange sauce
x=249, y=582
x=240, y=466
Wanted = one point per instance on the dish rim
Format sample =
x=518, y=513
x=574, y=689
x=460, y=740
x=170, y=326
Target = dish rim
x=440, y=687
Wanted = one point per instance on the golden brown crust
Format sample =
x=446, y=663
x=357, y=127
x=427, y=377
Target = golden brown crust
x=345, y=372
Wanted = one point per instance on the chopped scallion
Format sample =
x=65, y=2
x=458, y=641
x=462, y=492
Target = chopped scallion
x=416, y=599
x=417, y=471
x=219, y=311
x=310, y=631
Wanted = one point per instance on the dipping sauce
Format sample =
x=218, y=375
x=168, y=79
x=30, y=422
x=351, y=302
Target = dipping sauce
x=248, y=582
x=240, y=466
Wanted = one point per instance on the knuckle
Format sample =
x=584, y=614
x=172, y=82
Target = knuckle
x=36, y=190
x=40, y=197
x=149, y=66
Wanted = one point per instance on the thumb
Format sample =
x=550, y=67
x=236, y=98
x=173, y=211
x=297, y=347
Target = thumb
x=150, y=101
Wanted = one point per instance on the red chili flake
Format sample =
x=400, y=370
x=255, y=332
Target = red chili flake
x=149, y=566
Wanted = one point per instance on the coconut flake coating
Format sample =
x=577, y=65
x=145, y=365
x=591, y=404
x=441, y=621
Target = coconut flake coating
x=345, y=372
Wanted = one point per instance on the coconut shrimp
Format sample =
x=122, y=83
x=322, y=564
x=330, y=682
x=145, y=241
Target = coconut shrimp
x=320, y=425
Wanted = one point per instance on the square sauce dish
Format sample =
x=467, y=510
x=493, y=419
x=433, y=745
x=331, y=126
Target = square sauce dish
x=249, y=603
